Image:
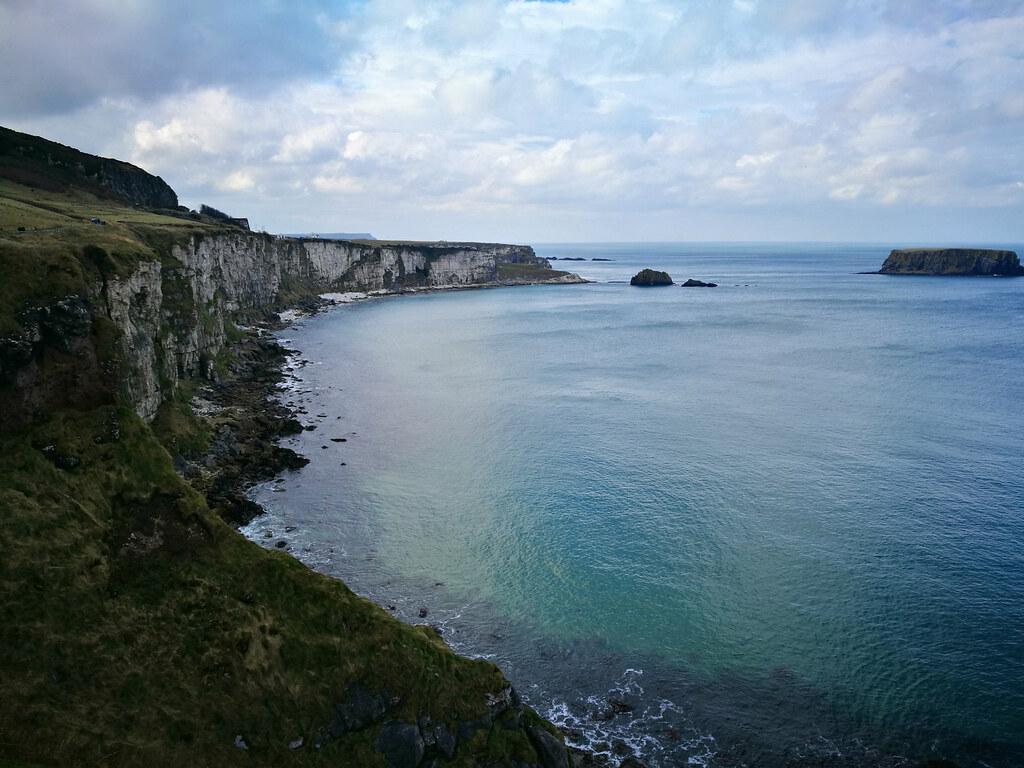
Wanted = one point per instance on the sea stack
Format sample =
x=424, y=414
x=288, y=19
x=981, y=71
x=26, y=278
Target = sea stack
x=647, y=278
x=952, y=261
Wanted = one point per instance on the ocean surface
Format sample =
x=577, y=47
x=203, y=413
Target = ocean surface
x=777, y=522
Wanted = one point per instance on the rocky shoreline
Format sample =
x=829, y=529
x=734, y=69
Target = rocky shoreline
x=247, y=417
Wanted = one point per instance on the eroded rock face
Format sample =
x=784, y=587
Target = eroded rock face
x=173, y=313
x=650, y=277
x=952, y=261
x=400, y=744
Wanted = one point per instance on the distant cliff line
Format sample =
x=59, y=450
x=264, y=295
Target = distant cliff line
x=169, y=282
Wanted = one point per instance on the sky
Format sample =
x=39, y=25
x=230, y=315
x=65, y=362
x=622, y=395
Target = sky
x=526, y=121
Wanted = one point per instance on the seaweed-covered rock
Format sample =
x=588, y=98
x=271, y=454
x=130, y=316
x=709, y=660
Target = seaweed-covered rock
x=650, y=277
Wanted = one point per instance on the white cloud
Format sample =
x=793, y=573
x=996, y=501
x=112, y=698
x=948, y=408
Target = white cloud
x=453, y=112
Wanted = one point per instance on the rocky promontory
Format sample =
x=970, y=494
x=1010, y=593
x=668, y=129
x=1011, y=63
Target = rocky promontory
x=647, y=278
x=952, y=261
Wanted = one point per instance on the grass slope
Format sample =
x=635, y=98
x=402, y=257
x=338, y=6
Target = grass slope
x=48, y=243
x=139, y=629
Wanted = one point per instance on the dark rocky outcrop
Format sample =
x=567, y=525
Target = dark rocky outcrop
x=400, y=744
x=691, y=283
x=549, y=748
x=952, y=261
x=650, y=277
x=45, y=164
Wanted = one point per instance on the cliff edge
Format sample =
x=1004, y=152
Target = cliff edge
x=952, y=261
x=139, y=627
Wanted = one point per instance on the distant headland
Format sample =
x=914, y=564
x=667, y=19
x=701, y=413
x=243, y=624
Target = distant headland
x=952, y=262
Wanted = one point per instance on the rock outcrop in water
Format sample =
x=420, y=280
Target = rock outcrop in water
x=952, y=261
x=647, y=278
x=691, y=283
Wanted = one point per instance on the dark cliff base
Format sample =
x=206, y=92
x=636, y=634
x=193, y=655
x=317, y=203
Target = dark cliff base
x=953, y=262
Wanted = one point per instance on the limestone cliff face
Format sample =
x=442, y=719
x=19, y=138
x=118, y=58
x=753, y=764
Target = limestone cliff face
x=174, y=314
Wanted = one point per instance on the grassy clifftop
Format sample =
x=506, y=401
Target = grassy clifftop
x=51, y=241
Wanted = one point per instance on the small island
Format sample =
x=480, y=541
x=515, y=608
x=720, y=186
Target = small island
x=692, y=283
x=647, y=278
x=952, y=262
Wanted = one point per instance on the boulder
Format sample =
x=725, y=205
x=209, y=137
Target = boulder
x=400, y=744
x=550, y=749
x=650, y=277
x=357, y=710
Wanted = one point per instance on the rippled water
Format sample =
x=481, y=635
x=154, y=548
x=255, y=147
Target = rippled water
x=782, y=519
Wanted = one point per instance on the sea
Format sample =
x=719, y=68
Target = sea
x=779, y=522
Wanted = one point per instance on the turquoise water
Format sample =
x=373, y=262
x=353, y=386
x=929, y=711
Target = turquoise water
x=782, y=519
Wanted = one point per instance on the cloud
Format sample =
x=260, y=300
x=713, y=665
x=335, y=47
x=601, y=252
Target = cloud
x=455, y=115
x=58, y=56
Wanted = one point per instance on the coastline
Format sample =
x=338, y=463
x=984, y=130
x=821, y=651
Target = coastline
x=244, y=414
x=249, y=415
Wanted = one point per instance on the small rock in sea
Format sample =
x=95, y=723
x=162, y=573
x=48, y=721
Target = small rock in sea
x=392, y=608
x=438, y=583
x=344, y=464
x=437, y=628
x=423, y=613
x=240, y=742
x=268, y=534
x=323, y=447
x=691, y=283
x=339, y=439
x=281, y=544
x=618, y=706
x=289, y=528
x=646, y=278
x=295, y=743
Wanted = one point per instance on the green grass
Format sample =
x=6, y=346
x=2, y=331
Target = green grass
x=139, y=629
x=527, y=272
x=49, y=249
